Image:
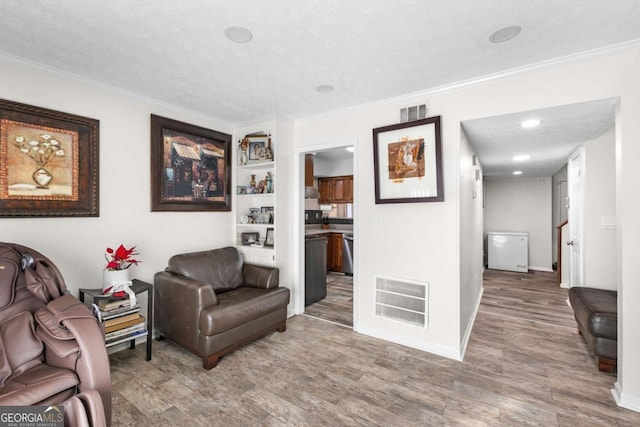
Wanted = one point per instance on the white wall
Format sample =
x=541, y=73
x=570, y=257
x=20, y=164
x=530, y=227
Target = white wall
x=522, y=205
x=600, y=203
x=397, y=240
x=340, y=167
x=77, y=245
x=470, y=247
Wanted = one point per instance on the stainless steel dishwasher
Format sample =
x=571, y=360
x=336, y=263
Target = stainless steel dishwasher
x=315, y=269
x=347, y=253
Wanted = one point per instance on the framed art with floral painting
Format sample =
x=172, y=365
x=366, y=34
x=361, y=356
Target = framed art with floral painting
x=48, y=162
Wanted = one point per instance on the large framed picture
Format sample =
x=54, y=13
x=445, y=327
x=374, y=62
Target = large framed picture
x=190, y=167
x=407, y=161
x=48, y=162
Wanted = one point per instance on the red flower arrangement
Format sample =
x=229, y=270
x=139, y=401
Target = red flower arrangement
x=121, y=258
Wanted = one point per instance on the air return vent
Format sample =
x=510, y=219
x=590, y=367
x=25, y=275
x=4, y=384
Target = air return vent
x=401, y=300
x=413, y=112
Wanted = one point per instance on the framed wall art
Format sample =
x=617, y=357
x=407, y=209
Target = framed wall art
x=249, y=238
x=190, y=167
x=269, y=240
x=407, y=161
x=48, y=162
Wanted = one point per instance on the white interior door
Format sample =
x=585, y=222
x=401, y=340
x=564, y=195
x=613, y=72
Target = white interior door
x=575, y=177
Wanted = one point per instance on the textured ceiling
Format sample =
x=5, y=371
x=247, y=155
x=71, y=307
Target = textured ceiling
x=369, y=50
x=176, y=52
x=497, y=140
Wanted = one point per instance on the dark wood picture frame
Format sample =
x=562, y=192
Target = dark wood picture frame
x=201, y=161
x=407, y=161
x=269, y=239
x=249, y=238
x=49, y=165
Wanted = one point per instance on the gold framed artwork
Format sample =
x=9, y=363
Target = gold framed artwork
x=48, y=162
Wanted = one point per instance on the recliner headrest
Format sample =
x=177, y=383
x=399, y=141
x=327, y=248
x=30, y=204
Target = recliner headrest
x=10, y=261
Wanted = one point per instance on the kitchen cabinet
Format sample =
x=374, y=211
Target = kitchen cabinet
x=336, y=189
x=308, y=170
x=334, y=252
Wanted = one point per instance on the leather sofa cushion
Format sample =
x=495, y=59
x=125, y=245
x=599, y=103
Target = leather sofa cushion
x=240, y=306
x=596, y=310
x=36, y=385
x=20, y=349
x=219, y=268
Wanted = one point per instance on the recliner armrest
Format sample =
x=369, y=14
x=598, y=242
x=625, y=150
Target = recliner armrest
x=65, y=319
x=258, y=276
x=51, y=317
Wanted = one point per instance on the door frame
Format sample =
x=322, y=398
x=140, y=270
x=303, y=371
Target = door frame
x=298, y=212
x=576, y=210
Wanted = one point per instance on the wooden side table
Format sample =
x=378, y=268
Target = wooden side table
x=138, y=287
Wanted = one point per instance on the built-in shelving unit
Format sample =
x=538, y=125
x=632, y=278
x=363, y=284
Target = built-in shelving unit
x=256, y=199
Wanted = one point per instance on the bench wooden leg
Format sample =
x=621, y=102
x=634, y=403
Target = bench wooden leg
x=607, y=365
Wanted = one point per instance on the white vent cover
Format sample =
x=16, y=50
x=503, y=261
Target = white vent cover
x=402, y=300
x=413, y=112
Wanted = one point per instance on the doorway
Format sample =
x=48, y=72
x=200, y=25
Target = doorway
x=334, y=198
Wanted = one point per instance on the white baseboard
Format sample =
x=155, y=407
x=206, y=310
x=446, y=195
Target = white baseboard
x=565, y=285
x=624, y=400
x=472, y=320
x=549, y=270
x=439, y=350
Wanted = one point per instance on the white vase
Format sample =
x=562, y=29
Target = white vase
x=111, y=278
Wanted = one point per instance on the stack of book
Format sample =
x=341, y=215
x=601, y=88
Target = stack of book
x=121, y=321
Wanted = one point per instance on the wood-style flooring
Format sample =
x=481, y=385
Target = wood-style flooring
x=337, y=307
x=533, y=296
x=517, y=371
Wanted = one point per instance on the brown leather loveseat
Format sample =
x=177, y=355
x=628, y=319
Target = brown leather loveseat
x=211, y=302
x=51, y=347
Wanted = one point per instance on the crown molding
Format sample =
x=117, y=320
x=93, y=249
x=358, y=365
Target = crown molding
x=36, y=66
x=573, y=58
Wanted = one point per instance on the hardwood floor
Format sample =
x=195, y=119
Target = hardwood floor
x=337, y=307
x=518, y=370
x=534, y=296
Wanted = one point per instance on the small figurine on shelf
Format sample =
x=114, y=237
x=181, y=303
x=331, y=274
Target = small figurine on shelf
x=268, y=183
x=244, y=146
x=253, y=181
x=269, y=152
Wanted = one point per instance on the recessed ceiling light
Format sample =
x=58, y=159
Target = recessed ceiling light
x=531, y=123
x=238, y=34
x=521, y=158
x=324, y=88
x=349, y=149
x=504, y=34
x=517, y=172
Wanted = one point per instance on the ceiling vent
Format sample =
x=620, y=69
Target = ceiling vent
x=413, y=112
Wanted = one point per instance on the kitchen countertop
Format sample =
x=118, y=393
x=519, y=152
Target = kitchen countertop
x=317, y=231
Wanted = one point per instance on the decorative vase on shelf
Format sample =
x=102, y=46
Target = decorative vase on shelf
x=269, y=183
x=111, y=278
x=253, y=181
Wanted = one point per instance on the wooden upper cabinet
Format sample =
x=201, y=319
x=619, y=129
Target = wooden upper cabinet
x=338, y=189
x=308, y=170
x=326, y=190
